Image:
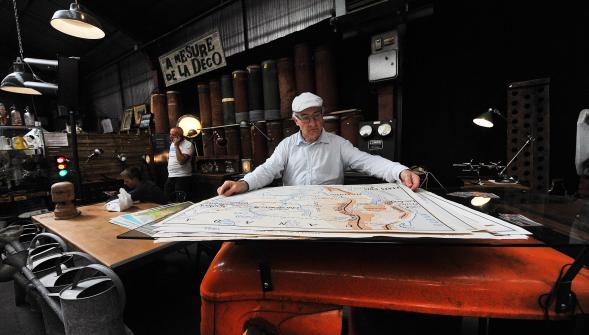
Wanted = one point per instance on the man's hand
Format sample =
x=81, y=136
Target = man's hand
x=230, y=187
x=409, y=179
x=177, y=141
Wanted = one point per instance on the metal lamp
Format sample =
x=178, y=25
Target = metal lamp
x=190, y=125
x=96, y=152
x=486, y=119
x=20, y=81
x=76, y=23
x=15, y=82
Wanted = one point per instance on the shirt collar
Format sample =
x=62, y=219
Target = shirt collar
x=323, y=138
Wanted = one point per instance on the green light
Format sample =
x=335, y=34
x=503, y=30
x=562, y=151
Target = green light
x=63, y=173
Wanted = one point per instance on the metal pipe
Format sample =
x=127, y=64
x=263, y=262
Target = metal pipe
x=50, y=64
x=45, y=88
x=75, y=158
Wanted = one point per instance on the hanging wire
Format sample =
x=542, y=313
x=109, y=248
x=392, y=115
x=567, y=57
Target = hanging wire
x=20, y=48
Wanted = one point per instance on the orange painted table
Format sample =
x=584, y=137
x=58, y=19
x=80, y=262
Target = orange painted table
x=92, y=233
x=311, y=281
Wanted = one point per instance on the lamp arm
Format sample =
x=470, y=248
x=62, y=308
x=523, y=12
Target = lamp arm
x=260, y=130
x=530, y=139
x=496, y=111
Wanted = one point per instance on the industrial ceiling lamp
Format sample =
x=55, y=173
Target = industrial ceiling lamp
x=15, y=81
x=76, y=23
x=486, y=119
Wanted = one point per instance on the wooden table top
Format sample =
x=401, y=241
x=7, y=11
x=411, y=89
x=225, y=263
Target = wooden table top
x=92, y=233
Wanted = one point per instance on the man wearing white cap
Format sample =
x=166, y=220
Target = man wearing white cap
x=316, y=157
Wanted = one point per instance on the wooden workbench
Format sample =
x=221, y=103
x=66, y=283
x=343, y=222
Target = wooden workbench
x=92, y=233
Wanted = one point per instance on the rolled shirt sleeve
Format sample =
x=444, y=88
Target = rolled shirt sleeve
x=270, y=170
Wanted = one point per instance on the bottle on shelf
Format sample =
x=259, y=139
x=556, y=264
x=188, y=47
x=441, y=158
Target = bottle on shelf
x=29, y=117
x=4, y=117
x=15, y=117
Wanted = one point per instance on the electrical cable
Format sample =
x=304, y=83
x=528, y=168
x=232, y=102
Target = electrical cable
x=545, y=300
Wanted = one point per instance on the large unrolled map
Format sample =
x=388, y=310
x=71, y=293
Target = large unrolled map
x=332, y=211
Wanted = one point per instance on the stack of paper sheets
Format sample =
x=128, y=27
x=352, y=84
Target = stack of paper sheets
x=332, y=211
x=134, y=220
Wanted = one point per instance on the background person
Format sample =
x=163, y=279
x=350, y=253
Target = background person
x=141, y=189
x=179, y=164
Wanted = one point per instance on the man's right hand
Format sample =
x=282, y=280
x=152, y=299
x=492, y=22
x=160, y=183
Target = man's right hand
x=230, y=187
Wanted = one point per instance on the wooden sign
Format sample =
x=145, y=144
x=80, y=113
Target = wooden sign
x=196, y=57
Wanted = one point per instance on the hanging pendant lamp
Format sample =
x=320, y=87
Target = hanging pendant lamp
x=76, y=23
x=15, y=82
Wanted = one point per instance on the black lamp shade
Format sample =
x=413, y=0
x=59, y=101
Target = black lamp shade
x=15, y=82
x=76, y=23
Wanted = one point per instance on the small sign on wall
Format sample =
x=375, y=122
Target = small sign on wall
x=196, y=57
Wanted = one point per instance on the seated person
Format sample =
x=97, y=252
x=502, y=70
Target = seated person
x=140, y=189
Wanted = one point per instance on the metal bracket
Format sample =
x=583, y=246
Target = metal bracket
x=566, y=300
x=263, y=268
x=265, y=276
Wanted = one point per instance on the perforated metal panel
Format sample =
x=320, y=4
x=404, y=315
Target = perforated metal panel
x=528, y=113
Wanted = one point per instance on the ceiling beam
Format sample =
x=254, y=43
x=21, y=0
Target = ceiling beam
x=140, y=47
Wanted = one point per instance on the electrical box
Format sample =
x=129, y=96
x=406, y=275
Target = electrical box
x=377, y=138
x=383, y=60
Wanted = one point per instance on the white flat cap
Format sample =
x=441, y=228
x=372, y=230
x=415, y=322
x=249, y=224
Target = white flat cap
x=306, y=100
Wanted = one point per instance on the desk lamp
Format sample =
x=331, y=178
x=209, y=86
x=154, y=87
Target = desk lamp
x=190, y=124
x=94, y=153
x=486, y=120
x=191, y=127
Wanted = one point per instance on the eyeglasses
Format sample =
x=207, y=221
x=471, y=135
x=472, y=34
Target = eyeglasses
x=308, y=118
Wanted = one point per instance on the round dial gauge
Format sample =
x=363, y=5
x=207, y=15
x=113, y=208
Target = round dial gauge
x=384, y=129
x=365, y=130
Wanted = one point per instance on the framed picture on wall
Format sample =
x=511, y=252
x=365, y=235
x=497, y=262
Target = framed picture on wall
x=137, y=112
x=126, y=119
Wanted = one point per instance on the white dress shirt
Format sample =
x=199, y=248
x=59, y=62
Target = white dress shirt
x=320, y=163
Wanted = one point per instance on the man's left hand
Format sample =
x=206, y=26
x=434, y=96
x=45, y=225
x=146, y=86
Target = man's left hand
x=409, y=179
